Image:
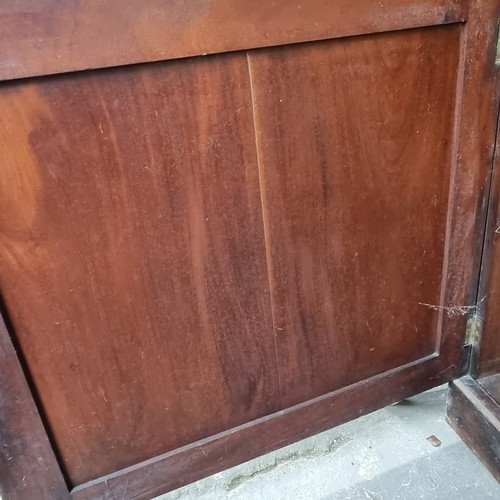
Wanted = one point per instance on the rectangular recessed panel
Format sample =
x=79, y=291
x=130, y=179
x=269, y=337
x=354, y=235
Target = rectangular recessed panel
x=355, y=150
x=133, y=259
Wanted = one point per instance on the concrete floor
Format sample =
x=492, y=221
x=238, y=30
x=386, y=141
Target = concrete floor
x=381, y=456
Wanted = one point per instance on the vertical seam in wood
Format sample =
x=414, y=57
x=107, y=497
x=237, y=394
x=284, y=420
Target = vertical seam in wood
x=265, y=224
x=484, y=263
x=452, y=179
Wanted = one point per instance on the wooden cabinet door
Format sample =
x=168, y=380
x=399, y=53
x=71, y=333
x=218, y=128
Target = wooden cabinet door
x=485, y=346
x=473, y=406
x=225, y=227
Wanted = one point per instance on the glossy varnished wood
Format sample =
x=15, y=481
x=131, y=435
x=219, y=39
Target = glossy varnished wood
x=51, y=36
x=28, y=467
x=355, y=152
x=133, y=261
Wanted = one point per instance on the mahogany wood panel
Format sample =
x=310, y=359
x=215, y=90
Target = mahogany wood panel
x=355, y=149
x=133, y=260
x=475, y=416
x=187, y=464
x=52, y=36
x=477, y=116
x=128, y=292
x=28, y=467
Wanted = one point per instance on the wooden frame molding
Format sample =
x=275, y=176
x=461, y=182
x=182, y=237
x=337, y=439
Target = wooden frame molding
x=28, y=466
x=53, y=36
x=208, y=456
x=475, y=416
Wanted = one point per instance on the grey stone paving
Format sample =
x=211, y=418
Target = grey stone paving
x=381, y=456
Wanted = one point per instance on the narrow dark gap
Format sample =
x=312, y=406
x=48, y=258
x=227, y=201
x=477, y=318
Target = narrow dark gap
x=32, y=387
x=473, y=354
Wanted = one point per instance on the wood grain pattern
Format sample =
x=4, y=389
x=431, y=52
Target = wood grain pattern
x=28, y=467
x=355, y=147
x=39, y=37
x=133, y=259
x=132, y=255
x=487, y=360
x=475, y=416
x=230, y=448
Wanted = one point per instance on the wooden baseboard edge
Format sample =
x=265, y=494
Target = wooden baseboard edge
x=174, y=469
x=475, y=417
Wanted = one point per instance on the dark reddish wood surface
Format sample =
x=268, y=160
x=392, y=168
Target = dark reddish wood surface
x=469, y=187
x=473, y=406
x=489, y=291
x=355, y=153
x=145, y=283
x=475, y=416
x=133, y=261
x=28, y=467
x=52, y=36
x=230, y=448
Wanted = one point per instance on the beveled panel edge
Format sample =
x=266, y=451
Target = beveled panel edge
x=227, y=449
